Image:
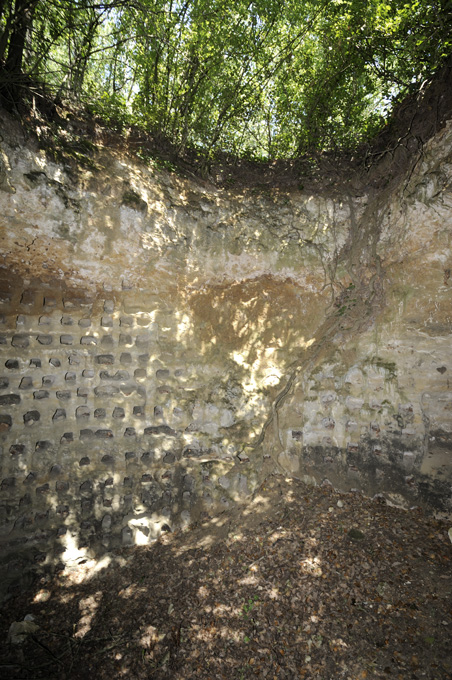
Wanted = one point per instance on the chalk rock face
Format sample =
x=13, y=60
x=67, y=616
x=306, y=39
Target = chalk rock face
x=165, y=344
x=376, y=409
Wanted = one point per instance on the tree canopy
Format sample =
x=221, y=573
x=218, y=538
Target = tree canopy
x=260, y=79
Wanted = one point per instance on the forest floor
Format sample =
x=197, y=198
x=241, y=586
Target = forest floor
x=299, y=582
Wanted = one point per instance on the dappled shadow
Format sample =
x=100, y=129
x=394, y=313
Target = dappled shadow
x=297, y=582
x=123, y=414
x=413, y=122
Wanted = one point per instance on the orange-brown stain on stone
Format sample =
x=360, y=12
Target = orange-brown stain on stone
x=258, y=313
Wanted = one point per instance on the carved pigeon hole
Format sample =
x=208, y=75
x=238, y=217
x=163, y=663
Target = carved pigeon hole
x=12, y=364
x=31, y=417
x=6, y=422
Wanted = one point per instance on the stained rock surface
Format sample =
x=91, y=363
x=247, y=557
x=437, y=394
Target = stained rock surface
x=166, y=344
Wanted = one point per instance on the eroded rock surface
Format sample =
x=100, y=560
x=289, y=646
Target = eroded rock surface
x=166, y=344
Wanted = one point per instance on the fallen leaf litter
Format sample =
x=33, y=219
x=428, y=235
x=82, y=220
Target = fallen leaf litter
x=299, y=582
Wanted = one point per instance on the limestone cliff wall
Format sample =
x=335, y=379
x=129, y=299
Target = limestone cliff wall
x=166, y=344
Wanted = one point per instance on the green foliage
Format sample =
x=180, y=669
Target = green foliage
x=249, y=606
x=260, y=80
x=112, y=108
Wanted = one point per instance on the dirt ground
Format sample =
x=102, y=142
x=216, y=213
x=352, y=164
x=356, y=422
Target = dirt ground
x=299, y=582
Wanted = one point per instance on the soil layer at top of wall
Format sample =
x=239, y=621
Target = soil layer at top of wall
x=69, y=134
